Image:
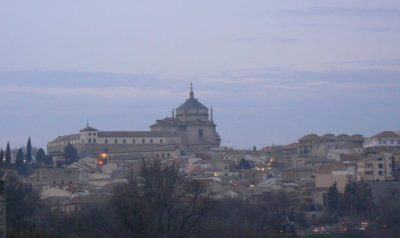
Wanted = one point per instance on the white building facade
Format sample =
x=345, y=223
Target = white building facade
x=383, y=139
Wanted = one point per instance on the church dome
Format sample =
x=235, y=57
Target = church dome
x=192, y=109
x=192, y=103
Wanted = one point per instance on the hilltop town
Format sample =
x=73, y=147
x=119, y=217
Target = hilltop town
x=317, y=172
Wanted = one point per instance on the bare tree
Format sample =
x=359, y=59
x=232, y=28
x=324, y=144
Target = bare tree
x=160, y=203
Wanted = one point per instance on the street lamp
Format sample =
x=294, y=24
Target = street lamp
x=102, y=160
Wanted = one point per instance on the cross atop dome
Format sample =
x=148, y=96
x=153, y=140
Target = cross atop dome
x=191, y=91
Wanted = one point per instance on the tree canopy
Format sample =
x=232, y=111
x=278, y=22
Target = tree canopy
x=159, y=203
x=40, y=156
x=70, y=153
x=22, y=200
x=20, y=164
x=1, y=158
x=8, y=155
x=29, y=151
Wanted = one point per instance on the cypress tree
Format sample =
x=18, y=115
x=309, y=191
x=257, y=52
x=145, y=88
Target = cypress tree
x=8, y=154
x=29, y=151
x=19, y=162
x=1, y=158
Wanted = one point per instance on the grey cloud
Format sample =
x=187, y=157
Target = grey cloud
x=107, y=92
x=340, y=26
x=345, y=12
x=265, y=39
x=373, y=62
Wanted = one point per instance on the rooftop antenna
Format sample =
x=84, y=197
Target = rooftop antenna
x=87, y=123
x=173, y=112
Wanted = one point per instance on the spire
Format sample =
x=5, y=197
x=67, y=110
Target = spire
x=173, y=112
x=191, y=91
x=211, y=114
x=87, y=123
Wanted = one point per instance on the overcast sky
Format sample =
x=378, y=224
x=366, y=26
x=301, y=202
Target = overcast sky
x=272, y=70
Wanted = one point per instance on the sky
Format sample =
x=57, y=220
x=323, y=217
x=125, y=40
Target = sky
x=272, y=70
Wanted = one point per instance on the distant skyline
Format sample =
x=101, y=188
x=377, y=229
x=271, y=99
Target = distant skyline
x=272, y=70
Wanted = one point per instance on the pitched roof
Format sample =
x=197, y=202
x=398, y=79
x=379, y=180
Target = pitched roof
x=357, y=137
x=309, y=137
x=66, y=138
x=136, y=134
x=387, y=134
x=88, y=128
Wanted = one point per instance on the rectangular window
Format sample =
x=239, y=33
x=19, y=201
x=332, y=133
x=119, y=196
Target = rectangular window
x=116, y=141
x=143, y=141
x=151, y=141
x=380, y=173
x=90, y=140
x=106, y=141
x=161, y=141
x=94, y=133
x=133, y=141
x=124, y=141
x=201, y=132
x=94, y=141
x=380, y=166
x=90, y=134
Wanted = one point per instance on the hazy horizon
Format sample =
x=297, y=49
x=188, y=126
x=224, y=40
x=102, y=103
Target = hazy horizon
x=273, y=71
x=272, y=114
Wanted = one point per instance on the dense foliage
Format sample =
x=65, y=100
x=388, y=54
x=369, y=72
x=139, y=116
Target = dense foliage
x=70, y=154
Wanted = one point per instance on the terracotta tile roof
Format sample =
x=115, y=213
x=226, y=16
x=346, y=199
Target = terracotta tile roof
x=196, y=170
